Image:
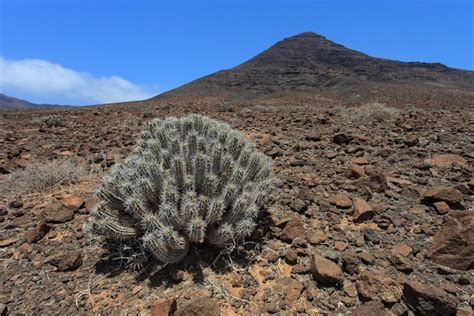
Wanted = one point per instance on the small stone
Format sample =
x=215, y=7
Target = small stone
x=360, y=161
x=340, y=200
x=331, y=154
x=293, y=228
x=376, y=286
x=366, y=257
x=372, y=308
x=317, y=237
x=57, y=213
x=340, y=245
x=299, y=242
x=401, y=263
x=402, y=249
x=8, y=241
x=291, y=257
x=326, y=271
x=464, y=311
x=163, y=307
x=362, y=210
x=293, y=292
x=137, y=289
x=350, y=263
x=312, y=136
x=372, y=236
x=341, y=139
x=203, y=306
x=301, y=269
x=449, y=287
x=441, y=207
x=73, y=201
x=349, y=288
x=446, y=161
x=89, y=204
x=36, y=234
x=66, y=262
x=354, y=171
x=272, y=308
x=16, y=204
x=25, y=248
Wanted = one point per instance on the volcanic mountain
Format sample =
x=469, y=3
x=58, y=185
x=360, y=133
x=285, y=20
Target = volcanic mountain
x=312, y=66
x=11, y=103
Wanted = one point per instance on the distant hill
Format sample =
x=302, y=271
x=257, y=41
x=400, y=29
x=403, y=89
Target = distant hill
x=10, y=103
x=310, y=65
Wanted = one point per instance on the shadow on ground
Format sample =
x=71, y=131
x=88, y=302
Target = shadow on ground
x=121, y=257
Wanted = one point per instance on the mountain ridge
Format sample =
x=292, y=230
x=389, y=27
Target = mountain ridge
x=12, y=103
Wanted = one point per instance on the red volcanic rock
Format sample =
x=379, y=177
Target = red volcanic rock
x=453, y=245
x=428, y=300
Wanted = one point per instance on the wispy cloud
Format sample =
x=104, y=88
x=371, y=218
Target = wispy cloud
x=43, y=78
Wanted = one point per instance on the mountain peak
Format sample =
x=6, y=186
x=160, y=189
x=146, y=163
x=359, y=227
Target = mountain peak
x=310, y=63
x=308, y=34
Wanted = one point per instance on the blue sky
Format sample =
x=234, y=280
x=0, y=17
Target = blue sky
x=86, y=52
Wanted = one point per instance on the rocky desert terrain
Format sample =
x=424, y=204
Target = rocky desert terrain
x=372, y=213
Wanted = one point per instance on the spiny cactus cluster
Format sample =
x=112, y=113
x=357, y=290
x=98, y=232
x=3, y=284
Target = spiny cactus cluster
x=189, y=180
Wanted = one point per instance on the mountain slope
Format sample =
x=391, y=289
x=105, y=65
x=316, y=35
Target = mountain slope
x=309, y=63
x=10, y=103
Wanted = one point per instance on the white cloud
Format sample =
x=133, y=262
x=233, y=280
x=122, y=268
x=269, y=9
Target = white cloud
x=43, y=78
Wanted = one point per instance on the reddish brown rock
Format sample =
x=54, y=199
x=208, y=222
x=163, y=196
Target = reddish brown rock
x=376, y=286
x=372, y=308
x=73, y=201
x=301, y=269
x=25, y=248
x=453, y=245
x=293, y=292
x=326, y=271
x=163, y=307
x=428, y=300
x=340, y=200
x=362, y=210
x=37, y=233
x=293, y=228
x=57, y=213
x=402, y=249
x=448, y=195
x=442, y=207
x=317, y=237
x=8, y=241
x=354, y=171
x=349, y=288
x=377, y=182
x=67, y=261
x=340, y=245
x=360, y=161
x=312, y=136
x=464, y=311
x=203, y=306
x=89, y=204
x=446, y=161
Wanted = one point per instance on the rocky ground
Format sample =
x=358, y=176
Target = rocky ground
x=372, y=214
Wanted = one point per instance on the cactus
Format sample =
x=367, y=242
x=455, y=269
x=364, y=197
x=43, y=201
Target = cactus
x=189, y=181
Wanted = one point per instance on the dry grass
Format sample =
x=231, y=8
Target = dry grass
x=43, y=177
